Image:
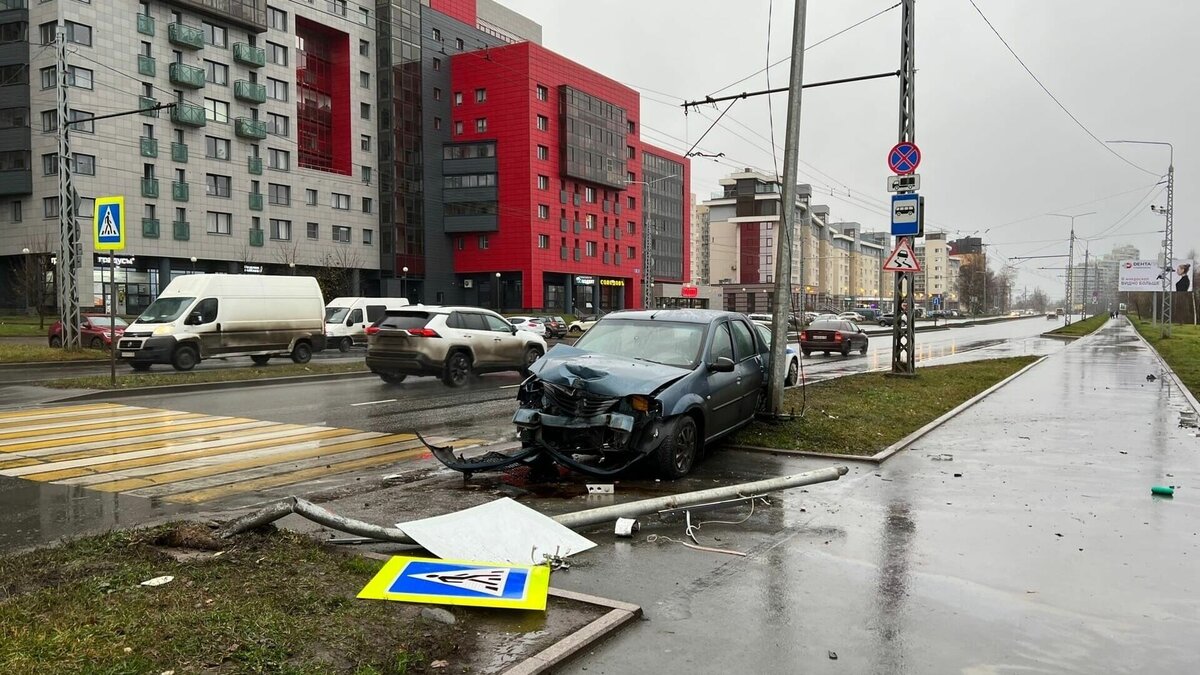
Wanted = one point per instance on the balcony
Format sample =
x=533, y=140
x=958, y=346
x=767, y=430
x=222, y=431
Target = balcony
x=181, y=230
x=150, y=188
x=254, y=57
x=188, y=114
x=246, y=127
x=148, y=146
x=146, y=105
x=184, y=35
x=145, y=24
x=150, y=228
x=256, y=237
x=184, y=75
x=179, y=152
x=252, y=92
x=256, y=201
x=146, y=65
x=179, y=191
x=254, y=165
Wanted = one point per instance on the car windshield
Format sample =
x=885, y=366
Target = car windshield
x=103, y=322
x=666, y=342
x=336, y=314
x=164, y=310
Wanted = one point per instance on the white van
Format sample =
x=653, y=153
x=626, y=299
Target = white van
x=346, y=319
x=204, y=316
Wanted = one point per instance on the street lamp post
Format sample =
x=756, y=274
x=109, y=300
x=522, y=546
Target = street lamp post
x=499, y=306
x=193, y=264
x=404, y=282
x=1071, y=263
x=1168, y=235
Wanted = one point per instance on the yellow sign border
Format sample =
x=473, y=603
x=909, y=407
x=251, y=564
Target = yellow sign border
x=536, y=589
x=105, y=201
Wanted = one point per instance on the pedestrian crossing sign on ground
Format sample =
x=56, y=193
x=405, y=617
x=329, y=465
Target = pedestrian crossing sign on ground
x=457, y=582
x=110, y=223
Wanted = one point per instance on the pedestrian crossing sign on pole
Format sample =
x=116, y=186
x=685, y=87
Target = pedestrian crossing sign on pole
x=457, y=582
x=110, y=223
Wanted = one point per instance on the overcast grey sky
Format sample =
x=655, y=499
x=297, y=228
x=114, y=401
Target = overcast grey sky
x=997, y=152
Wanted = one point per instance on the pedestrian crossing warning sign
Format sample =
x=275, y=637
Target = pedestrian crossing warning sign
x=456, y=582
x=110, y=224
x=903, y=258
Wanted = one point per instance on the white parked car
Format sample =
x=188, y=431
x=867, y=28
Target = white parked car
x=792, y=371
x=528, y=323
x=581, y=324
x=852, y=316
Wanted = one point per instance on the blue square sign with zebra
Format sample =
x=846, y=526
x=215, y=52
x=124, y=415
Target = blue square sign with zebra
x=109, y=225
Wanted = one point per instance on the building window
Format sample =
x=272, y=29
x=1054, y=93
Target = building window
x=589, y=195
x=50, y=207
x=364, y=142
x=15, y=31
x=216, y=73
x=364, y=48
x=481, y=125
x=78, y=33
x=543, y=211
x=313, y=231
x=458, y=42
x=366, y=174
x=437, y=93
x=543, y=241
x=480, y=95
x=543, y=123
x=277, y=54
x=368, y=237
x=280, y=160
x=591, y=249
x=279, y=125
x=310, y=197
x=543, y=152
x=279, y=194
x=85, y=165
x=216, y=148
x=276, y=18
x=80, y=78
x=630, y=178
x=437, y=64
x=590, y=221
x=337, y=7
x=214, y=35
x=15, y=214
x=631, y=203
x=367, y=205
x=437, y=35
x=543, y=182
x=437, y=123
x=277, y=89
x=631, y=253
x=220, y=223
x=364, y=79
x=50, y=164
x=458, y=128
x=218, y=186
x=542, y=93
x=462, y=243
x=216, y=111
x=483, y=241
x=631, y=227
x=458, y=98
x=341, y=233
x=281, y=230
x=630, y=152
x=364, y=110
x=340, y=201
x=469, y=180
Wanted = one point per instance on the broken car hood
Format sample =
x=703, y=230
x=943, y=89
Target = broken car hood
x=603, y=375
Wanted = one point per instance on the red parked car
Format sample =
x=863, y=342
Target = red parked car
x=93, y=331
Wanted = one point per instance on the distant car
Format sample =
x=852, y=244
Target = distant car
x=792, y=371
x=868, y=313
x=1015, y=312
x=93, y=331
x=954, y=314
x=794, y=322
x=833, y=336
x=887, y=319
x=810, y=317
x=937, y=314
x=852, y=316
x=827, y=317
x=1051, y=316
x=532, y=324
x=556, y=327
x=581, y=324
x=449, y=342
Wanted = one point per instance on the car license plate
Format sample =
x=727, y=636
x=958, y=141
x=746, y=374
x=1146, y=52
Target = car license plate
x=818, y=337
x=127, y=355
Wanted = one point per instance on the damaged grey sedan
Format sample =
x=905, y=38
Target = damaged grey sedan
x=657, y=386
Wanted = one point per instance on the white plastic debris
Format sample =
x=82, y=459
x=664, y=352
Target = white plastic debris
x=158, y=581
x=627, y=526
x=600, y=489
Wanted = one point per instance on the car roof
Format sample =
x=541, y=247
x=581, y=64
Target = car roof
x=437, y=309
x=677, y=315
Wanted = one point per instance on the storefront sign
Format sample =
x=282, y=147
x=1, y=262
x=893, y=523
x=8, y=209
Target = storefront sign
x=612, y=282
x=120, y=260
x=585, y=281
x=252, y=269
x=689, y=291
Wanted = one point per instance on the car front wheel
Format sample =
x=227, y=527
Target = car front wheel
x=793, y=375
x=678, y=451
x=56, y=342
x=344, y=344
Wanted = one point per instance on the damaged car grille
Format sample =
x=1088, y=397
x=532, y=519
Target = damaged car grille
x=575, y=402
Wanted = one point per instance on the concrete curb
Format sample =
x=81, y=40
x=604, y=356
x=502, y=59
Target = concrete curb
x=53, y=364
x=208, y=386
x=1166, y=369
x=886, y=453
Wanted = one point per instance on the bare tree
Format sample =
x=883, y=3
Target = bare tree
x=335, y=273
x=33, y=278
x=288, y=254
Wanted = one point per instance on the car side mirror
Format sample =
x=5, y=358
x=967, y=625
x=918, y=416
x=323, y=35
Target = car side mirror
x=723, y=365
x=349, y=322
x=193, y=319
x=513, y=329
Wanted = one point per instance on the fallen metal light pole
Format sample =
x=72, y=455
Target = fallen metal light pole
x=574, y=520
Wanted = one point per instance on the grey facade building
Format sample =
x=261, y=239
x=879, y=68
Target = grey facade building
x=663, y=215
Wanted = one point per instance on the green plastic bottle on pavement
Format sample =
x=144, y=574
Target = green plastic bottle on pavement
x=1165, y=490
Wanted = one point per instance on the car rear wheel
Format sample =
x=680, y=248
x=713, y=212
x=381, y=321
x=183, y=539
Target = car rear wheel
x=185, y=358
x=532, y=354
x=807, y=352
x=345, y=344
x=392, y=378
x=678, y=451
x=260, y=359
x=793, y=375
x=301, y=353
x=458, y=370
x=96, y=342
x=56, y=342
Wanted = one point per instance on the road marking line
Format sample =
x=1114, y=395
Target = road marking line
x=90, y=464
x=69, y=409
x=355, y=405
x=128, y=433
x=277, y=480
x=67, y=432
x=284, y=454
x=162, y=440
x=46, y=417
x=15, y=431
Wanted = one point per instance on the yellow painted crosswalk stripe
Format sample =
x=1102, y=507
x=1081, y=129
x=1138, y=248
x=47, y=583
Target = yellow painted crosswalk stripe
x=45, y=417
x=149, y=441
x=132, y=433
x=294, y=434
x=56, y=411
x=115, y=424
x=253, y=463
x=109, y=421
x=280, y=479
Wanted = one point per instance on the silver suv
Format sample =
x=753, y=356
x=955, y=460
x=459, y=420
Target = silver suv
x=450, y=342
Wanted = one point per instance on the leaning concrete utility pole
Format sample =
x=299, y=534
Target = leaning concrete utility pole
x=787, y=215
x=904, y=336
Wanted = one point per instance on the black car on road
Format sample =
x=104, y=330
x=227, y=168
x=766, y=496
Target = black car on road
x=833, y=336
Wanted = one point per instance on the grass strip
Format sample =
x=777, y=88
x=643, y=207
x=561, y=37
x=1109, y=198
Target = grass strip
x=1080, y=328
x=133, y=380
x=860, y=415
x=18, y=353
x=273, y=602
x=1181, y=351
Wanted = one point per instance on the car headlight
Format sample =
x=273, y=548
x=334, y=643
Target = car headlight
x=641, y=403
x=164, y=330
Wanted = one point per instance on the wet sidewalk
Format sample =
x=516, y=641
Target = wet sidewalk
x=1037, y=548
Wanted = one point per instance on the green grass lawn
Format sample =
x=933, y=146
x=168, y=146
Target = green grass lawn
x=17, y=353
x=863, y=414
x=126, y=379
x=1181, y=351
x=20, y=325
x=1081, y=328
x=268, y=603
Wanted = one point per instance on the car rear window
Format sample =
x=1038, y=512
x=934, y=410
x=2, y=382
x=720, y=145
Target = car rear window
x=827, y=325
x=405, y=320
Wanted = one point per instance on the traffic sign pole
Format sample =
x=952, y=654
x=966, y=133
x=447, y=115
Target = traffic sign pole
x=904, y=159
x=109, y=235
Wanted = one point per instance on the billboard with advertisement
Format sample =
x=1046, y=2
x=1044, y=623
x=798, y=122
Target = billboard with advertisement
x=1147, y=275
